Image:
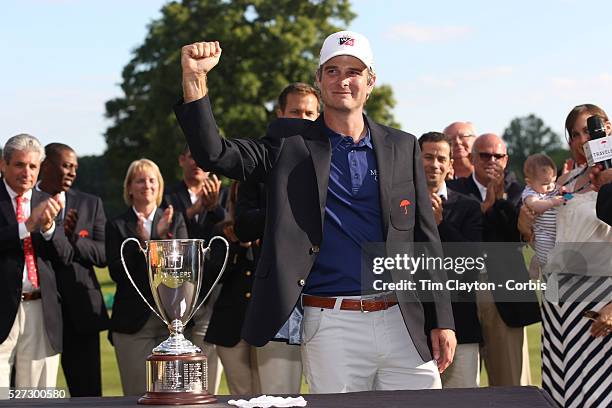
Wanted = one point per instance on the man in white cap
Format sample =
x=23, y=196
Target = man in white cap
x=333, y=185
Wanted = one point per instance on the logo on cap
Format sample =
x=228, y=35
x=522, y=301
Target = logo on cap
x=347, y=41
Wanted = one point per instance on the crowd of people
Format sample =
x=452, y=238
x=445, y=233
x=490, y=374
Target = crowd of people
x=293, y=301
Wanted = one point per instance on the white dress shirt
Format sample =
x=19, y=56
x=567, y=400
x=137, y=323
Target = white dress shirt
x=23, y=231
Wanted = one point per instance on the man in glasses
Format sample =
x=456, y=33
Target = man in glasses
x=505, y=345
x=462, y=136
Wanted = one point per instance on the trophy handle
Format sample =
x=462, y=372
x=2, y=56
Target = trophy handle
x=144, y=252
x=204, y=251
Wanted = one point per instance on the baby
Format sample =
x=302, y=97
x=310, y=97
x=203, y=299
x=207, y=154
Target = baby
x=542, y=196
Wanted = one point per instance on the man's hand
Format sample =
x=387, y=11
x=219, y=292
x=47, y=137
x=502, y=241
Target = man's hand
x=489, y=198
x=54, y=206
x=443, y=344
x=163, y=226
x=197, y=60
x=602, y=326
x=210, y=193
x=600, y=177
x=33, y=223
x=496, y=178
x=436, y=205
x=70, y=220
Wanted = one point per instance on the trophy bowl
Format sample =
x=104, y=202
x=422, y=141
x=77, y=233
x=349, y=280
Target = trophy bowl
x=177, y=371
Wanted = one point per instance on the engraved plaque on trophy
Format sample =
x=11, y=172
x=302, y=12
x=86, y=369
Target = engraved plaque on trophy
x=177, y=371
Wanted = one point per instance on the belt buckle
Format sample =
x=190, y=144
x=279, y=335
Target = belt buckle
x=361, y=303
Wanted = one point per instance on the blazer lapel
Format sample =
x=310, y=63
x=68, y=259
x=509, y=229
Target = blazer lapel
x=383, y=149
x=6, y=206
x=473, y=188
x=130, y=222
x=156, y=218
x=320, y=152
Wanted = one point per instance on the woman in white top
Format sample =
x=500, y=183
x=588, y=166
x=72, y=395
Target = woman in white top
x=577, y=351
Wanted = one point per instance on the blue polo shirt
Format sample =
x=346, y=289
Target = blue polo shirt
x=352, y=217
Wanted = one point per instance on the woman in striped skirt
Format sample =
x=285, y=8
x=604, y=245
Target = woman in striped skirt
x=576, y=350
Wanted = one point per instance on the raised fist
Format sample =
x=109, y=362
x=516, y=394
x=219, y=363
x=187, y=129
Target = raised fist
x=199, y=58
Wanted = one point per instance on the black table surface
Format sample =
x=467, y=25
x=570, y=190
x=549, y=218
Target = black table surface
x=492, y=397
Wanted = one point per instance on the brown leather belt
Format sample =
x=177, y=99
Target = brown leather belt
x=364, y=305
x=30, y=296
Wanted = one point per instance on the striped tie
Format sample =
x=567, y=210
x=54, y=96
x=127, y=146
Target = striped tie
x=28, y=249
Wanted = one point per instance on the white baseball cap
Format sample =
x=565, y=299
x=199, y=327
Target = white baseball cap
x=347, y=43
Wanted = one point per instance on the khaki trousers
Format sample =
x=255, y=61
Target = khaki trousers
x=28, y=348
x=464, y=372
x=132, y=351
x=280, y=368
x=505, y=350
x=240, y=365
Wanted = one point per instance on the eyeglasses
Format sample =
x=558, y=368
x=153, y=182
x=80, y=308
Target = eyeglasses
x=462, y=136
x=489, y=156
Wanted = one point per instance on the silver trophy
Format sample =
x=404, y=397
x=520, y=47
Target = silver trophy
x=177, y=369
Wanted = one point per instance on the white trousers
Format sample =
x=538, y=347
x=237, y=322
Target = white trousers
x=464, y=372
x=348, y=351
x=28, y=348
x=280, y=368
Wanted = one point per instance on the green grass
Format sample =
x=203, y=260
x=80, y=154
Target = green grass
x=111, y=384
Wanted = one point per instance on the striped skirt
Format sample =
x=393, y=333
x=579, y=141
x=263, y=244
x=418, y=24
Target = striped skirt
x=576, y=367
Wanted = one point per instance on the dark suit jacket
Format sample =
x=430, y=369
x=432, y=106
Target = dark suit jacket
x=82, y=300
x=12, y=260
x=250, y=211
x=604, y=204
x=130, y=313
x=462, y=223
x=202, y=228
x=504, y=263
x=294, y=160
x=231, y=305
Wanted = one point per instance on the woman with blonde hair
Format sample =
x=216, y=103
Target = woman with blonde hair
x=134, y=329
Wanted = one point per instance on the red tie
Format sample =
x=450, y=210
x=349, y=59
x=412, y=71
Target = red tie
x=28, y=249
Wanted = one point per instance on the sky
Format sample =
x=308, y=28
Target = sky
x=483, y=61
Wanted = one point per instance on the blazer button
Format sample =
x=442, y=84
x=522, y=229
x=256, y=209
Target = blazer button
x=314, y=250
x=247, y=295
x=302, y=282
x=248, y=273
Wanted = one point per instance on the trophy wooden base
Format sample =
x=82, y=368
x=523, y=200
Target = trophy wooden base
x=176, y=398
x=177, y=380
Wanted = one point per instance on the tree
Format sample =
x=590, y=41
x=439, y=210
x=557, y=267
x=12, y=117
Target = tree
x=266, y=45
x=380, y=104
x=528, y=135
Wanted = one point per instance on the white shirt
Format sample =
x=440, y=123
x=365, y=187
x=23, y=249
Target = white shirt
x=23, y=231
x=193, y=197
x=443, y=191
x=481, y=188
x=148, y=223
